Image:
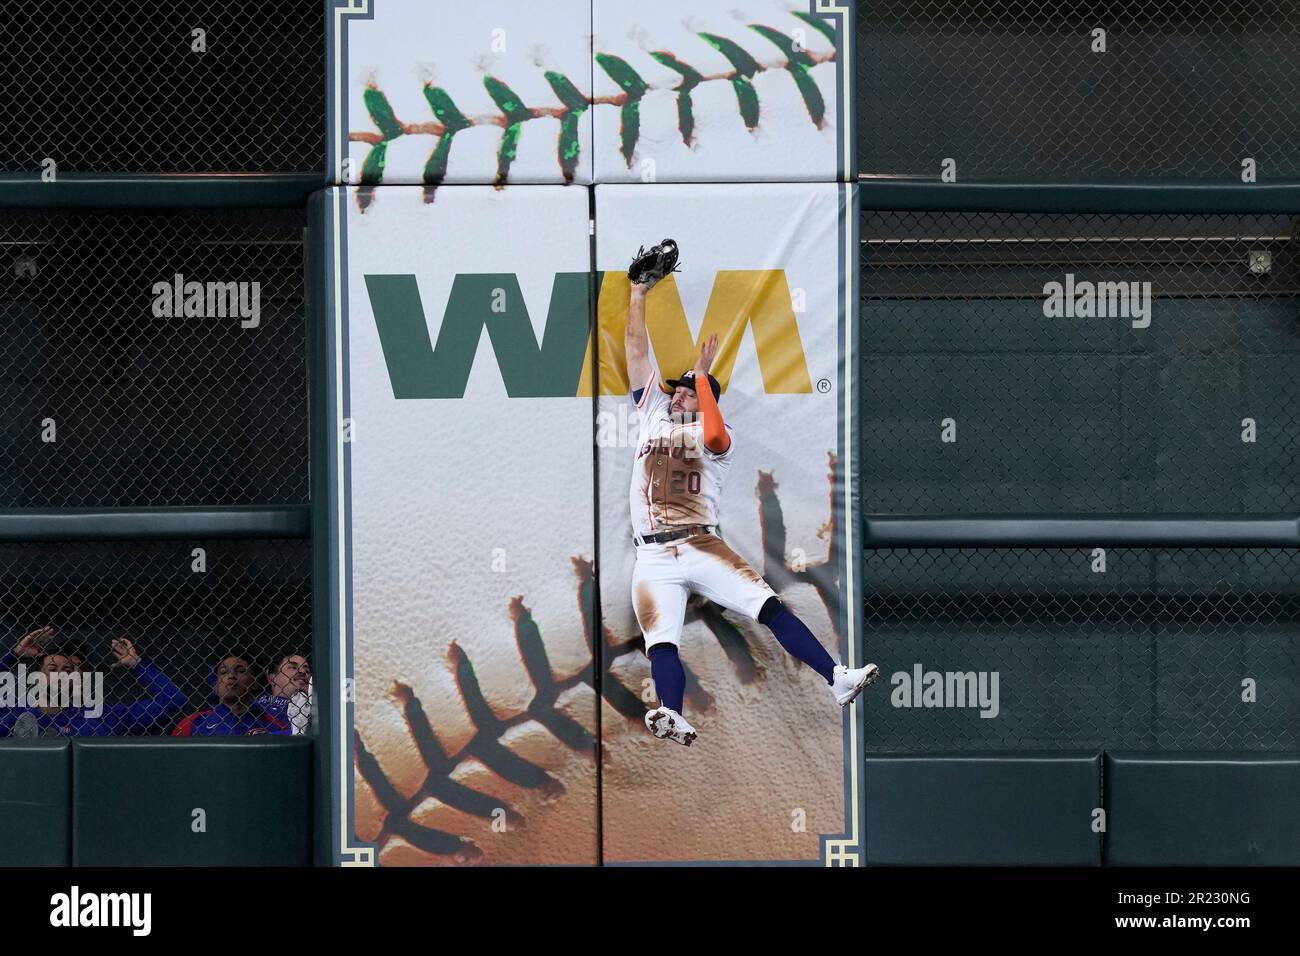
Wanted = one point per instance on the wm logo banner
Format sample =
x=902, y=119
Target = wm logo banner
x=560, y=366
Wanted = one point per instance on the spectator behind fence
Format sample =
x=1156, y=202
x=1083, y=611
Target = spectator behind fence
x=91, y=717
x=237, y=712
x=288, y=681
x=32, y=644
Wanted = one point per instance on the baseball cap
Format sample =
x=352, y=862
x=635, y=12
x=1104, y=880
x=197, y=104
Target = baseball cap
x=687, y=380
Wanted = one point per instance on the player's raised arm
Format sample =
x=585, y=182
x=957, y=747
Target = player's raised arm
x=635, y=340
x=648, y=267
x=716, y=438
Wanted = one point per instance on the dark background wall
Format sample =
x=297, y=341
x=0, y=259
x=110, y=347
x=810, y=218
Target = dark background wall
x=172, y=433
x=1182, y=663
x=1012, y=91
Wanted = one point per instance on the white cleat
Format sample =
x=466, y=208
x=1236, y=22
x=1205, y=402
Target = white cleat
x=666, y=723
x=848, y=684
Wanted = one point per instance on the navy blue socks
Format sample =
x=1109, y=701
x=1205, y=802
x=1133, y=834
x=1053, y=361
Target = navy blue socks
x=669, y=675
x=798, y=641
x=793, y=635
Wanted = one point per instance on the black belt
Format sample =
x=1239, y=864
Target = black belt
x=676, y=534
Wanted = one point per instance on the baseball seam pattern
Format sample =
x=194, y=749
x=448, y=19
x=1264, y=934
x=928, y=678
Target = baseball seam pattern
x=486, y=743
x=449, y=120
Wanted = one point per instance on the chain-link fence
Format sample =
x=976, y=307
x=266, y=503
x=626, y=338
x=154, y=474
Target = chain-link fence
x=1022, y=90
x=1081, y=365
x=1053, y=363
x=187, y=86
x=156, y=359
x=152, y=358
x=163, y=637
x=1064, y=648
x=1048, y=364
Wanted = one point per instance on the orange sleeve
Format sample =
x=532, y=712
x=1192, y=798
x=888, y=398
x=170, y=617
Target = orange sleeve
x=716, y=438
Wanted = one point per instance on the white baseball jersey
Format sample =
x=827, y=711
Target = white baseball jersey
x=677, y=481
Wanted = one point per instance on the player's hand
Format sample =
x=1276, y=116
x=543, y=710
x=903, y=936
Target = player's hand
x=30, y=645
x=125, y=652
x=707, y=351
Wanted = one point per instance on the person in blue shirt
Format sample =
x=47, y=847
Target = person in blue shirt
x=164, y=699
x=32, y=644
x=237, y=712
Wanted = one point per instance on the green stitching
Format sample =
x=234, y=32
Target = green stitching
x=449, y=120
x=382, y=113
x=746, y=66
x=575, y=104
x=453, y=121
x=824, y=28
x=634, y=89
x=799, y=63
x=691, y=78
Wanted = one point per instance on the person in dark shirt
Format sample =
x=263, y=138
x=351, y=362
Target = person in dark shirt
x=237, y=712
x=164, y=700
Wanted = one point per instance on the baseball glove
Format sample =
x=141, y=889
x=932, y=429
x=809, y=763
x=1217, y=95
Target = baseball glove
x=651, y=265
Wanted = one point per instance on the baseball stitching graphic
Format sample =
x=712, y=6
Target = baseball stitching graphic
x=396, y=797
x=513, y=113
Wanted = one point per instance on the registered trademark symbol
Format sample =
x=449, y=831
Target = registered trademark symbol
x=823, y=385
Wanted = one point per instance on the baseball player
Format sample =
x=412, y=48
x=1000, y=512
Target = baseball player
x=683, y=452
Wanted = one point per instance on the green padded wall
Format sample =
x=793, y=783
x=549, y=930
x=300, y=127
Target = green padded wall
x=983, y=809
x=1202, y=809
x=35, y=802
x=134, y=802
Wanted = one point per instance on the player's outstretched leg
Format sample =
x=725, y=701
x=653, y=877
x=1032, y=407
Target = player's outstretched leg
x=846, y=683
x=666, y=720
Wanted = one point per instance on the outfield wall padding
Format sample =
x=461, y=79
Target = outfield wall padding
x=35, y=802
x=136, y=802
x=1202, y=809
x=987, y=809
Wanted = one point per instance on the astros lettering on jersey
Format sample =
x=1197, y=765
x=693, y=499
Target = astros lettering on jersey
x=676, y=480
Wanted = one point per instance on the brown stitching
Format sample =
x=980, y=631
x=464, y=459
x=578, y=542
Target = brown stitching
x=485, y=745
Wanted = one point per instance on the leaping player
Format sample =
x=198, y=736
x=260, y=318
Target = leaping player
x=683, y=452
